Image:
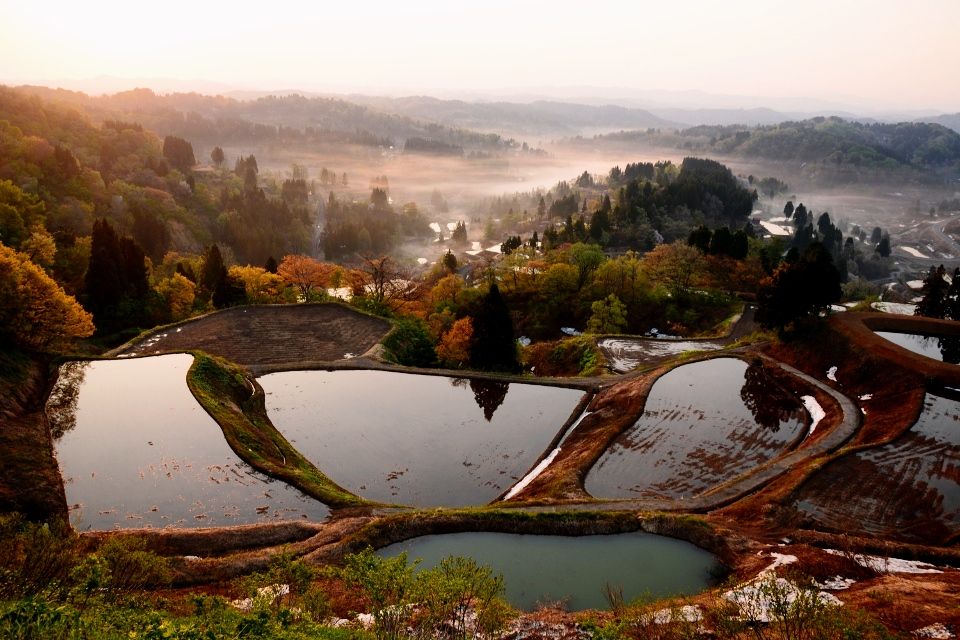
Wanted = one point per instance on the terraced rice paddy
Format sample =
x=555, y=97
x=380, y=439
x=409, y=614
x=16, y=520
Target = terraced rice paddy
x=908, y=489
x=704, y=423
x=415, y=439
x=136, y=450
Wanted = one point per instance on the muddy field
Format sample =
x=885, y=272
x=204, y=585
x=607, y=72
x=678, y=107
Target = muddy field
x=269, y=335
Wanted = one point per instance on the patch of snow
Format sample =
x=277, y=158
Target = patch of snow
x=270, y=592
x=435, y=227
x=349, y=356
x=836, y=583
x=476, y=246
x=914, y=252
x=915, y=284
x=365, y=619
x=759, y=601
x=570, y=331
x=779, y=560
x=936, y=631
x=815, y=410
x=898, y=308
x=495, y=248
x=191, y=558
x=832, y=374
x=422, y=261
x=866, y=396
x=780, y=219
x=889, y=565
x=451, y=226
x=537, y=470
x=686, y=613
x=837, y=308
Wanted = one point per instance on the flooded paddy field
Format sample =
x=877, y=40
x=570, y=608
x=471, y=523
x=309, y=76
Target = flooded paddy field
x=704, y=423
x=136, y=450
x=625, y=354
x=416, y=439
x=908, y=489
x=575, y=570
x=943, y=348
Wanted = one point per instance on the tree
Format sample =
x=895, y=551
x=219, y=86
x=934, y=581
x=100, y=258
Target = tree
x=883, y=247
x=493, y=347
x=676, y=265
x=35, y=312
x=213, y=271
x=609, y=316
x=799, y=290
x=459, y=235
x=304, y=273
x=115, y=285
x=410, y=343
x=788, y=209
x=586, y=258
x=454, y=347
x=217, y=156
x=933, y=304
x=178, y=293
x=450, y=261
x=179, y=153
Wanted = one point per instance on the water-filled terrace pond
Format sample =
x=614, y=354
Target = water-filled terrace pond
x=909, y=489
x=704, y=423
x=943, y=348
x=625, y=354
x=136, y=450
x=547, y=568
x=416, y=439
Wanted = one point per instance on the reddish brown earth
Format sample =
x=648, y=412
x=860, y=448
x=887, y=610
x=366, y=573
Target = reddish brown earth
x=269, y=334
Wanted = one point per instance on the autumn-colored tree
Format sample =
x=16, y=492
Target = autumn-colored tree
x=261, y=286
x=677, y=266
x=454, y=347
x=178, y=293
x=304, y=273
x=35, y=312
x=40, y=247
x=609, y=316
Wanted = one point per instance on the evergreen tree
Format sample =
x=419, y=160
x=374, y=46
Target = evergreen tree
x=115, y=284
x=213, y=272
x=271, y=265
x=493, y=347
x=217, y=156
x=935, y=289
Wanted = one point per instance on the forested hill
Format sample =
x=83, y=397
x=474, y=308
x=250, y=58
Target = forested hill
x=209, y=120
x=833, y=147
x=949, y=120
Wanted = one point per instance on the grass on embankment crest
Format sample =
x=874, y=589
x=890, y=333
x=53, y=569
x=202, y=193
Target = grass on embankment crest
x=237, y=405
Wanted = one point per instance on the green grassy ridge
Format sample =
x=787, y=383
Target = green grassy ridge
x=223, y=390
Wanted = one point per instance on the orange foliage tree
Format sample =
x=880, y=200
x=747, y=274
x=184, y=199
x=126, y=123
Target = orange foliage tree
x=305, y=273
x=35, y=312
x=454, y=347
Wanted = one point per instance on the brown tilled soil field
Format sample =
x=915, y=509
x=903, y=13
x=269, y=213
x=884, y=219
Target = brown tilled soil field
x=269, y=334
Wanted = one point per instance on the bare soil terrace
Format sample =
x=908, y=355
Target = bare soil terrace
x=268, y=335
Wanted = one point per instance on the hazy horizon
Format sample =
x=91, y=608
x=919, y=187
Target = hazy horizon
x=870, y=56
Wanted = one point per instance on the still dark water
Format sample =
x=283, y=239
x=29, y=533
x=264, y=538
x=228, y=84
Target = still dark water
x=704, y=423
x=909, y=489
x=136, y=450
x=416, y=439
x=541, y=568
x=943, y=348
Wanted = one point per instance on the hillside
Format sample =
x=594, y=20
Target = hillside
x=291, y=119
x=949, y=120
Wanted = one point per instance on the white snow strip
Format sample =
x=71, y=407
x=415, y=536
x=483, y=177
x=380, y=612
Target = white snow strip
x=537, y=470
x=837, y=308
x=779, y=560
x=422, y=261
x=915, y=284
x=686, y=613
x=866, y=396
x=914, y=252
x=760, y=601
x=889, y=565
x=775, y=229
x=815, y=410
x=832, y=374
x=895, y=307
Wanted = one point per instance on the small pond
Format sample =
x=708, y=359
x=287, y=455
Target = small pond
x=545, y=568
x=625, y=354
x=944, y=348
x=416, y=439
x=137, y=450
x=909, y=489
x=704, y=423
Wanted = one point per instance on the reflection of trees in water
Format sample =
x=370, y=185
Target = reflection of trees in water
x=62, y=404
x=768, y=403
x=488, y=394
x=950, y=349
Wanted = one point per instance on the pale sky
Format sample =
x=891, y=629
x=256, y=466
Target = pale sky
x=875, y=53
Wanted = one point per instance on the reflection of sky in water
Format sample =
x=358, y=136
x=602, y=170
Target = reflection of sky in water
x=928, y=346
x=908, y=487
x=417, y=439
x=704, y=423
x=626, y=353
x=144, y=453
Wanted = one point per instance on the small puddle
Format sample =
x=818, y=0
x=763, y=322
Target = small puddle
x=704, y=423
x=417, y=439
x=575, y=570
x=909, y=489
x=136, y=450
x=943, y=348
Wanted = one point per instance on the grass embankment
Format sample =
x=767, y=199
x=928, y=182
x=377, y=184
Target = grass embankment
x=237, y=404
